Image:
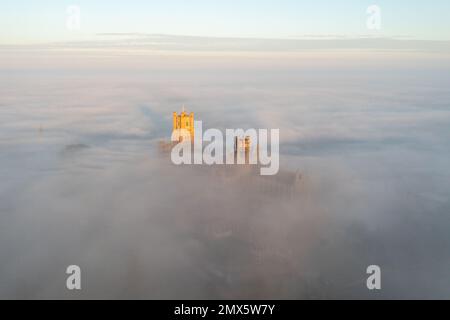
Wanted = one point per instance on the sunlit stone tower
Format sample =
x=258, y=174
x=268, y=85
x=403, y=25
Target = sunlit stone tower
x=242, y=149
x=183, y=125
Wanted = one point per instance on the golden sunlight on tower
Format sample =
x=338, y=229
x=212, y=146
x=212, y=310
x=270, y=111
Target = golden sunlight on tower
x=183, y=125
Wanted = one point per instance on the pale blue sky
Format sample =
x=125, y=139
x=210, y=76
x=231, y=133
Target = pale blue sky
x=29, y=21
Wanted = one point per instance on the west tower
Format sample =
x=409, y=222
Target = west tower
x=183, y=124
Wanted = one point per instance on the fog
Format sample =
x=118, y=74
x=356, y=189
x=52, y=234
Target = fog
x=82, y=180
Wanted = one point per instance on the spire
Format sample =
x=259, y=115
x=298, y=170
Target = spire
x=182, y=110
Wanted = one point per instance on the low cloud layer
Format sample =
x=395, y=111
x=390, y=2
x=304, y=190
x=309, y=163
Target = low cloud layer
x=83, y=182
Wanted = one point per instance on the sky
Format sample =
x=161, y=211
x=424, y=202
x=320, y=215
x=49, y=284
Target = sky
x=82, y=180
x=25, y=22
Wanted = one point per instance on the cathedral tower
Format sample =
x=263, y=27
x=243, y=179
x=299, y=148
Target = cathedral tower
x=183, y=125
